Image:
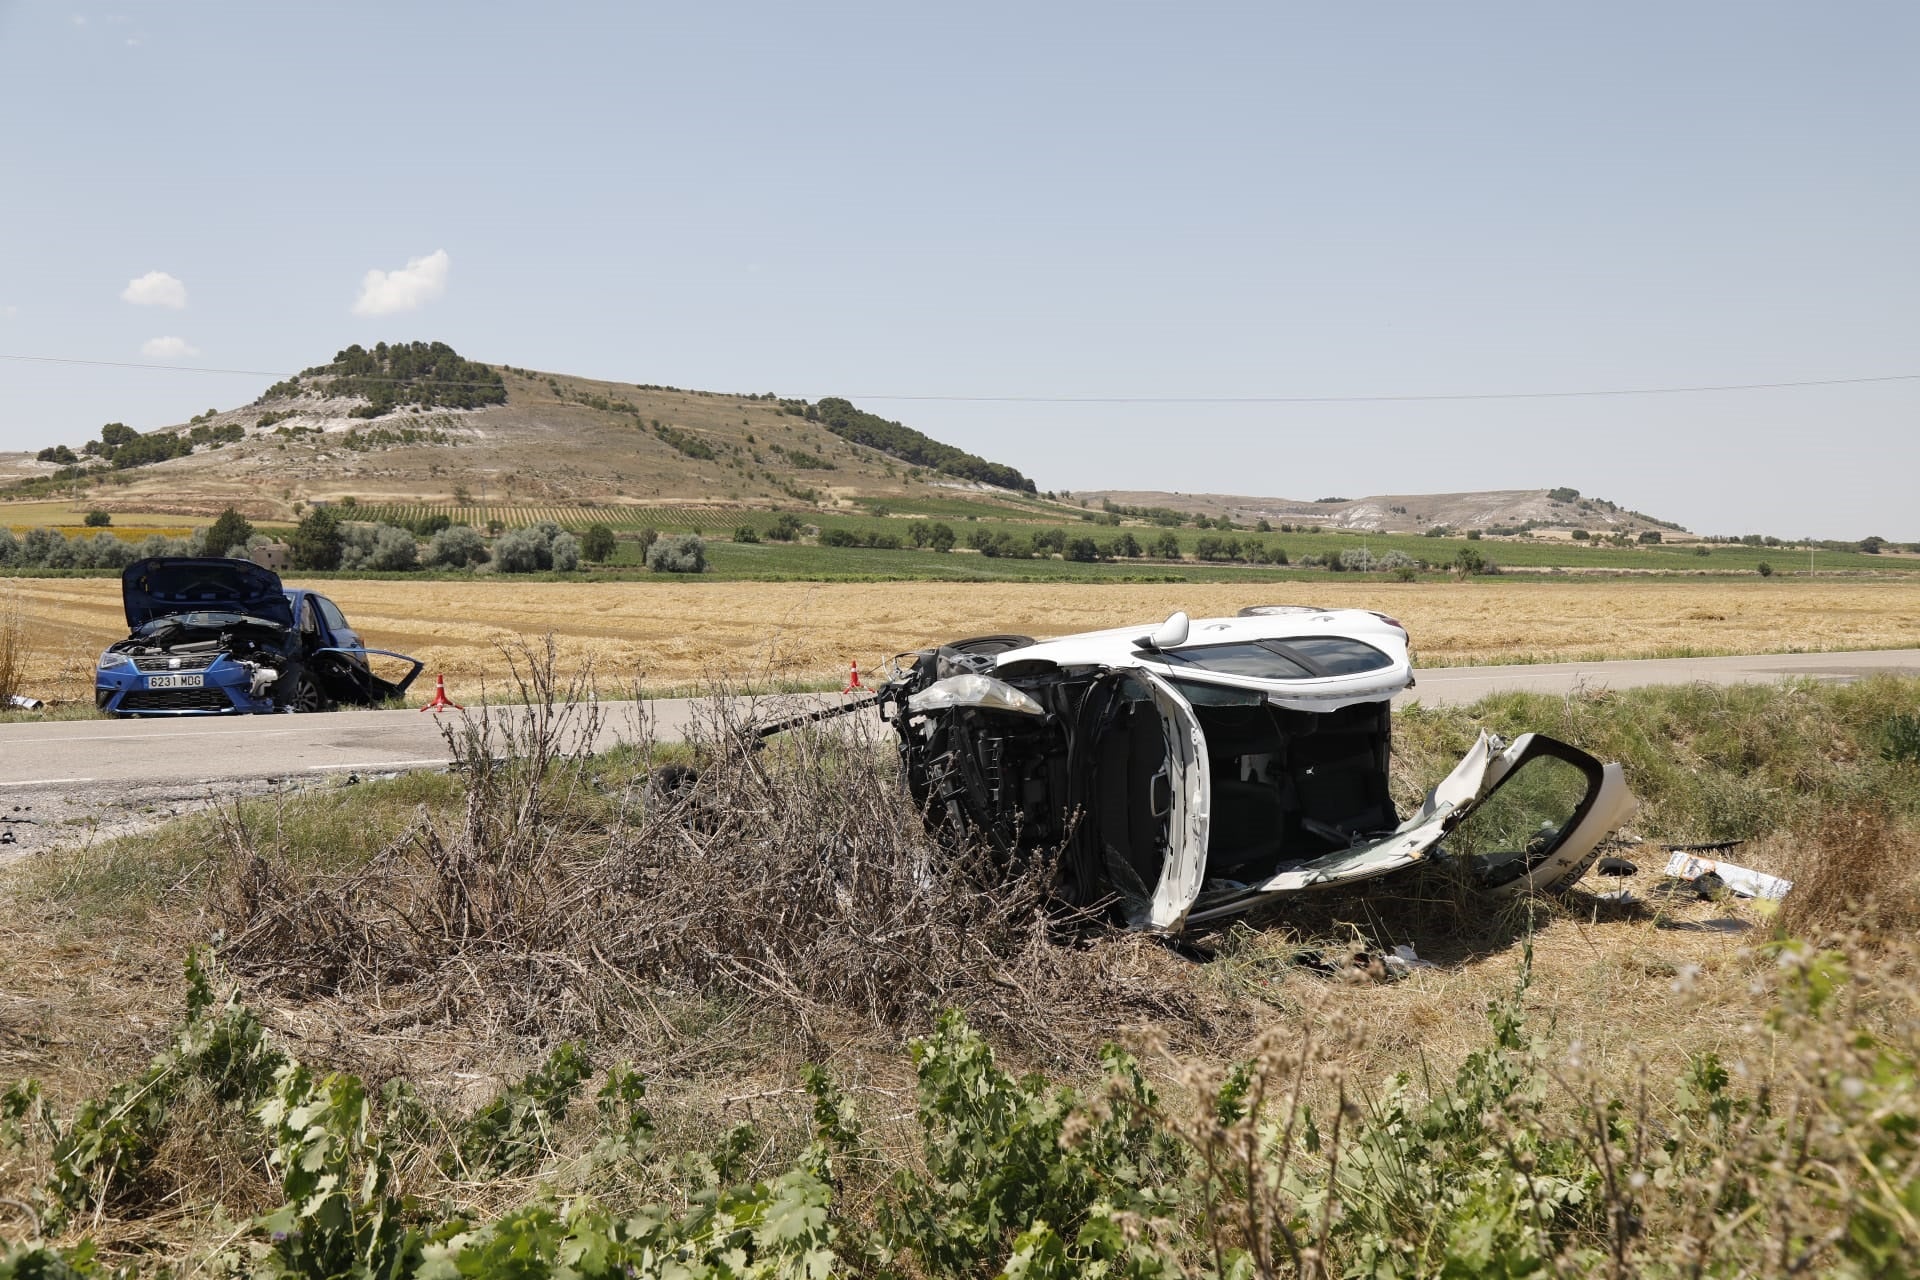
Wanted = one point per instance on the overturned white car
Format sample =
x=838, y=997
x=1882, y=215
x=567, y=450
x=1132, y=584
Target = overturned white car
x=1195, y=769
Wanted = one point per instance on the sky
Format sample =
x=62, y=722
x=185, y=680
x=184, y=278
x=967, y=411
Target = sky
x=1065, y=236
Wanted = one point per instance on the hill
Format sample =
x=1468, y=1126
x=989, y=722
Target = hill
x=416, y=423
x=1494, y=510
x=417, y=426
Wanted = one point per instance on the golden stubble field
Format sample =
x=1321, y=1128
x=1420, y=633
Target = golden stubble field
x=675, y=634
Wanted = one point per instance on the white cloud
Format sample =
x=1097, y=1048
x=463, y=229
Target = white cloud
x=155, y=289
x=419, y=282
x=167, y=348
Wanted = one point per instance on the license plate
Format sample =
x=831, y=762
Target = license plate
x=175, y=682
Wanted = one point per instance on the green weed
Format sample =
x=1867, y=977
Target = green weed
x=1804, y=1158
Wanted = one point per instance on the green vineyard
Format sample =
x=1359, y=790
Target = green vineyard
x=690, y=518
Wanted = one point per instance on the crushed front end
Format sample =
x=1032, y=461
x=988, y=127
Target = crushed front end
x=194, y=664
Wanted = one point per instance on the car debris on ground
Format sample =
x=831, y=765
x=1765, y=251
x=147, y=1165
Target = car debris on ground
x=1706, y=874
x=217, y=636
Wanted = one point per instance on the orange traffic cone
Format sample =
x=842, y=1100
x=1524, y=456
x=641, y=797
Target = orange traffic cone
x=853, y=681
x=440, y=701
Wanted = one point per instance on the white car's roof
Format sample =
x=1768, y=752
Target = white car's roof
x=1123, y=648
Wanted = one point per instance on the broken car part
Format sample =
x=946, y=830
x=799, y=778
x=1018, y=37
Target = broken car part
x=1744, y=881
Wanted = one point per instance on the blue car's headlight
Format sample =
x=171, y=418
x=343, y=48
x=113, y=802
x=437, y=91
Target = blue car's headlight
x=114, y=661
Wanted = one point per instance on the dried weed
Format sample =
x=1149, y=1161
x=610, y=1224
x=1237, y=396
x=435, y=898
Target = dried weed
x=570, y=894
x=1851, y=871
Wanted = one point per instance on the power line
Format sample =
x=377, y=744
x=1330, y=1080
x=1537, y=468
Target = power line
x=966, y=399
x=129, y=364
x=1402, y=399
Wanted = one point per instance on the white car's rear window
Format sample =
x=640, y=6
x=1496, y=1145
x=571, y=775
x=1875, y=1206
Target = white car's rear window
x=1300, y=658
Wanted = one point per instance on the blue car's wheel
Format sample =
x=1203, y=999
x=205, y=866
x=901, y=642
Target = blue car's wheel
x=307, y=695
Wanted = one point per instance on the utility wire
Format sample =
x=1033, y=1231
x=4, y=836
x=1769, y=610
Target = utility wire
x=128, y=364
x=961, y=399
x=1399, y=399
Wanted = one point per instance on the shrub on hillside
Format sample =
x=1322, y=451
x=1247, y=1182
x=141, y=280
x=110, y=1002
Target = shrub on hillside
x=519, y=551
x=539, y=547
x=50, y=549
x=681, y=553
x=458, y=547
x=378, y=548
x=230, y=530
x=597, y=544
x=104, y=551
x=44, y=548
x=316, y=541
x=1358, y=560
x=853, y=538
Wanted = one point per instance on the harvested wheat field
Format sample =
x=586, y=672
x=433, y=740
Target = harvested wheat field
x=675, y=634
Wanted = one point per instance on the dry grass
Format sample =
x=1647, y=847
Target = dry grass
x=1850, y=872
x=785, y=911
x=795, y=879
x=71, y=517
x=681, y=634
x=15, y=655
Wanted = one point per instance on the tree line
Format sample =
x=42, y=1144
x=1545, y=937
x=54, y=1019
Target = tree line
x=849, y=423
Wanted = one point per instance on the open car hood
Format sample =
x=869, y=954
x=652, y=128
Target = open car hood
x=167, y=585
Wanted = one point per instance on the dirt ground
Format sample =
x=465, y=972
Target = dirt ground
x=679, y=634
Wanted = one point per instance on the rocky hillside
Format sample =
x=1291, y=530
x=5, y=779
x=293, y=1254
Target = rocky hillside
x=416, y=423
x=1489, y=510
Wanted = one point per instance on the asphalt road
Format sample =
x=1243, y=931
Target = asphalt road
x=86, y=754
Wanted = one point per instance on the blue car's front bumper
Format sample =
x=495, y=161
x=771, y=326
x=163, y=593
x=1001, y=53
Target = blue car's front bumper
x=152, y=688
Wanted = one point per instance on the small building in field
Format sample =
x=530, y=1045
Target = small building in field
x=271, y=555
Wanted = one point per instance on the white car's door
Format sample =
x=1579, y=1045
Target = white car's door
x=1520, y=817
x=1168, y=793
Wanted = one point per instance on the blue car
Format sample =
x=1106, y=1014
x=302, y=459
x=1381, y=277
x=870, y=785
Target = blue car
x=224, y=637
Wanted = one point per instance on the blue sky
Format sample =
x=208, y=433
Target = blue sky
x=1045, y=200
